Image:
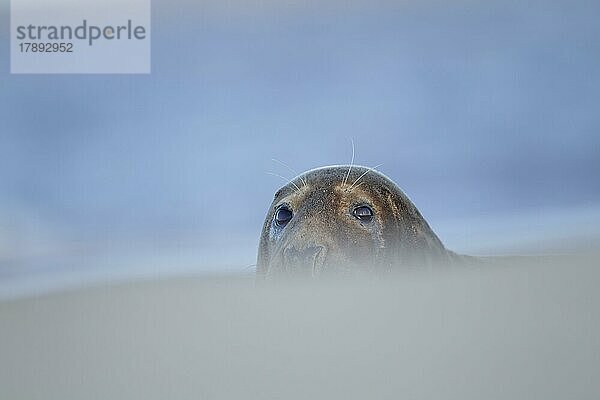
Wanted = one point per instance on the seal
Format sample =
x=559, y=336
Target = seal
x=345, y=220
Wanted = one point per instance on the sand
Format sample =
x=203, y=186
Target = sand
x=507, y=332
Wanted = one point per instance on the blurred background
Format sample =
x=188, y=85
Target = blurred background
x=485, y=113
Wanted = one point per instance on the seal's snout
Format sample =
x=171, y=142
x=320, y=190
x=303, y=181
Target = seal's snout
x=307, y=261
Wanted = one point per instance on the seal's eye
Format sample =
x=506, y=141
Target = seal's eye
x=363, y=213
x=282, y=216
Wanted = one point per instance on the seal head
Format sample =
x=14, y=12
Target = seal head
x=344, y=220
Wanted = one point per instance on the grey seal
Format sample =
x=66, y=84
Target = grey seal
x=345, y=220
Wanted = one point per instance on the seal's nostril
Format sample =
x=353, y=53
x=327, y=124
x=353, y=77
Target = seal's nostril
x=318, y=260
x=311, y=252
x=307, y=261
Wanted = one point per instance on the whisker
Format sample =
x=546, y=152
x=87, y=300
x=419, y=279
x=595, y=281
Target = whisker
x=285, y=179
x=250, y=266
x=363, y=174
x=351, y=163
x=357, y=186
x=292, y=170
